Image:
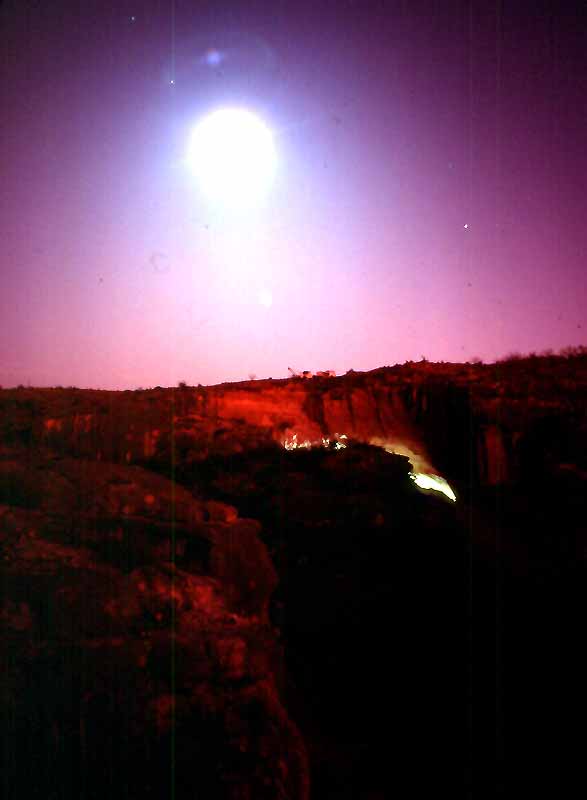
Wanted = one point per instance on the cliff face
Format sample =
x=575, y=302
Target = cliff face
x=176, y=577
x=452, y=420
x=224, y=419
x=134, y=621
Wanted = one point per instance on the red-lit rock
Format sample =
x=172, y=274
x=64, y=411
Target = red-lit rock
x=437, y=411
x=177, y=586
x=114, y=654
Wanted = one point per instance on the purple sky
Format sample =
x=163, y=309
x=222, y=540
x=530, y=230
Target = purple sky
x=396, y=124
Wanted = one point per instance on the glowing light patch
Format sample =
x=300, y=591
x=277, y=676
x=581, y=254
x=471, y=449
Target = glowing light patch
x=424, y=480
x=421, y=475
x=231, y=153
x=434, y=482
x=293, y=444
x=213, y=58
x=266, y=298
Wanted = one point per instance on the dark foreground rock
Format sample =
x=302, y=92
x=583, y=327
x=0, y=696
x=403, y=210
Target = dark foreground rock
x=137, y=651
x=373, y=605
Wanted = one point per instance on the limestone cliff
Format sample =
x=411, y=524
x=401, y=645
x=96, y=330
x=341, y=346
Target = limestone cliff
x=471, y=424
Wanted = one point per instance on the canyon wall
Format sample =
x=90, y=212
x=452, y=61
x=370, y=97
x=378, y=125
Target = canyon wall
x=172, y=579
x=464, y=429
x=460, y=425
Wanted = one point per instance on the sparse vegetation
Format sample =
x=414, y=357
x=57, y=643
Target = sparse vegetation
x=576, y=351
x=569, y=352
x=513, y=356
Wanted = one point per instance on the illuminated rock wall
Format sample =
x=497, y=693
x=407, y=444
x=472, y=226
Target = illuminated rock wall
x=466, y=430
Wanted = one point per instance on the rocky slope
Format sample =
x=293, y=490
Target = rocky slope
x=136, y=641
x=471, y=423
x=187, y=601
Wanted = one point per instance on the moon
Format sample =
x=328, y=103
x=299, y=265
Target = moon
x=232, y=155
x=265, y=298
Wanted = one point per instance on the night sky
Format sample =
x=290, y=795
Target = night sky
x=429, y=198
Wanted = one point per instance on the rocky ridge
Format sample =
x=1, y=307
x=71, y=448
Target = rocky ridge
x=186, y=600
x=472, y=423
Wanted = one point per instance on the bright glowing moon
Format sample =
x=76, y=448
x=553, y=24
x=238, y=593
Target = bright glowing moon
x=265, y=298
x=232, y=155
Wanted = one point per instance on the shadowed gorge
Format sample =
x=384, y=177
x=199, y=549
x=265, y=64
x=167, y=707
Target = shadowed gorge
x=186, y=599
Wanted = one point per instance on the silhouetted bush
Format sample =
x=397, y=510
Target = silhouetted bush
x=574, y=351
x=571, y=351
x=514, y=356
